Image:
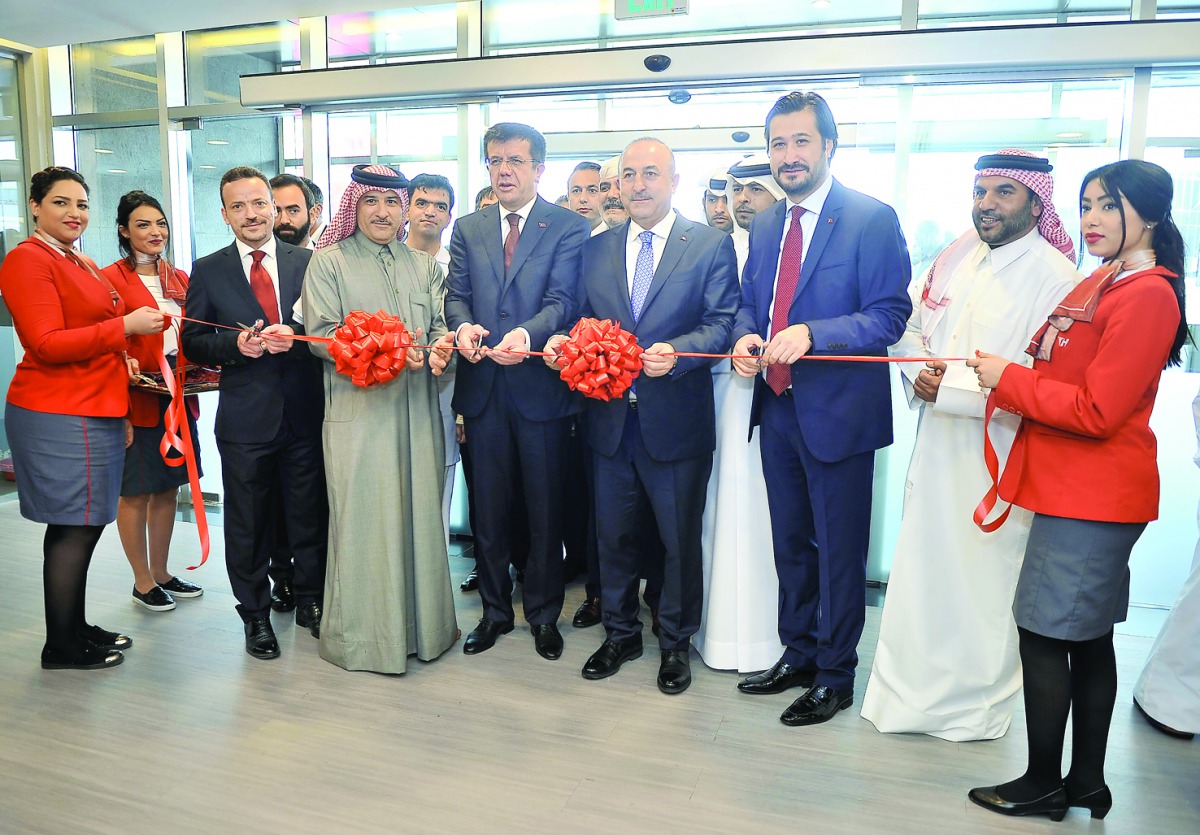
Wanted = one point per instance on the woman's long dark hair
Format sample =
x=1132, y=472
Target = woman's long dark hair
x=125, y=208
x=1149, y=189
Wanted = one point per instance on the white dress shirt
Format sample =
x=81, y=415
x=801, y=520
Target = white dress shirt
x=633, y=244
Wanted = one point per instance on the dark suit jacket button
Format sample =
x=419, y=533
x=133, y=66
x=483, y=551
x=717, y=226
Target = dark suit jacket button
x=503, y=315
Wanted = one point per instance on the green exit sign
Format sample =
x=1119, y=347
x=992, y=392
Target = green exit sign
x=634, y=9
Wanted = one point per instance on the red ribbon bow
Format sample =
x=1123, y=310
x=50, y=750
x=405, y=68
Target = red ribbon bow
x=599, y=359
x=370, y=348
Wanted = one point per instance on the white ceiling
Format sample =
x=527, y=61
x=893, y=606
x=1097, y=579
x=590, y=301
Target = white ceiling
x=40, y=24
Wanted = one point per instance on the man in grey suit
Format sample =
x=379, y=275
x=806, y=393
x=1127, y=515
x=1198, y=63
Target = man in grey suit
x=673, y=284
x=514, y=275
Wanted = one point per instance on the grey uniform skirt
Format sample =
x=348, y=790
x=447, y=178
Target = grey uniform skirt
x=1074, y=583
x=68, y=467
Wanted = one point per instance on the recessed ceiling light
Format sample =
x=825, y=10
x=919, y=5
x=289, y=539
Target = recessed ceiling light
x=217, y=142
x=820, y=4
x=117, y=171
x=207, y=166
x=102, y=151
x=1069, y=134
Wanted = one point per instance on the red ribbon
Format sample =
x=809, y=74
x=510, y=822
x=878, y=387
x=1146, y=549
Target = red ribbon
x=599, y=359
x=988, y=503
x=370, y=348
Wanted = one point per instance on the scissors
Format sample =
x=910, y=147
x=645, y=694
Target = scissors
x=756, y=351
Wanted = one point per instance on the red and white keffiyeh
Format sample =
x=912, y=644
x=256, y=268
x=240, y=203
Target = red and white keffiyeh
x=364, y=178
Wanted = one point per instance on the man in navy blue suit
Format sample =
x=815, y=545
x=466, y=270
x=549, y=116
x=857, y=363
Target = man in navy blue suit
x=827, y=274
x=513, y=282
x=673, y=284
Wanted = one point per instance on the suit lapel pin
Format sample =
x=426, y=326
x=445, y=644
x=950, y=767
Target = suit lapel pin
x=541, y=224
x=829, y=220
x=683, y=237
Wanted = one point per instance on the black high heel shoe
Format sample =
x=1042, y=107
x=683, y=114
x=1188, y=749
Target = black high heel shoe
x=1097, y=802
x=1053, y=804
x=105, y=639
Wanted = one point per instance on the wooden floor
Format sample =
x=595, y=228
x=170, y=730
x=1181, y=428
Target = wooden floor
x=193, y=735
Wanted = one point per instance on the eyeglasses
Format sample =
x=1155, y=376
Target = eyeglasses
x=511, y=162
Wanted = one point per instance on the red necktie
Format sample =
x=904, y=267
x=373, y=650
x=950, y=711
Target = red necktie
x=779, y=376
x=264, y=291
x=510, y=240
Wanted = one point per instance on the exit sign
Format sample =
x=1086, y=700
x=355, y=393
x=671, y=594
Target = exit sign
x=634, y=9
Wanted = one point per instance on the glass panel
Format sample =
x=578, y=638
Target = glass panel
x=115, y=75
x=411, y=34
x=115, y=161
x=520, y=24
x=14, y=226
x=217, y=58
x=934, y=14
x=221, y=145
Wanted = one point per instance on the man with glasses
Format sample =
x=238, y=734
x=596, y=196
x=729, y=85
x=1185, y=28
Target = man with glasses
x=514, y=275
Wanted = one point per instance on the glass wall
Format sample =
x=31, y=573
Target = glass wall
x=223, y=144
x=114, y=75
x=115, y=161
x=218, y=58
x=14, y=214
x=421, y=33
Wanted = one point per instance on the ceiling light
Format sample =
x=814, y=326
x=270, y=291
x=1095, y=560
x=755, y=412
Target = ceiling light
x=820, y=4
x=1069, y=134
x=207, y=166
x=102, y=151
x=217, y=142
x=117, y=171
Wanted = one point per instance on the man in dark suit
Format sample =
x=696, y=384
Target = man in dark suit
x=827, y=274
x=514, y=275
x=268, y=423
x=673, y=284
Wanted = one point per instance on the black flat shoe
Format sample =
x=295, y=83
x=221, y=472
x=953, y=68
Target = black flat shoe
x=90, y=657
x=283, y=599
x=483, y=637
x=107, y=640
x=781, y=677
x=605, y=661
x=260, y=639
x=181, y=588
x=1097, y=802
x=547, y=640
x=674, y=672
x=1159, y=726
x=1053, y=804
x=157, y=599
x=470, y=582
x=588, y=613
x=819, y=704
x=309, y=617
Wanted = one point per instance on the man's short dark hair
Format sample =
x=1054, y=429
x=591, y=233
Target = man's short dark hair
x=502, y=132
x=430, y=182
x=585, y=166
x=484, y=193
x=240, y=172
x=284, y=180
x=796, y=102
x=318, y=195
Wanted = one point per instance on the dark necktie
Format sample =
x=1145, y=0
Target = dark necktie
x=510, y=240
x=264, y=291
x=779, y=375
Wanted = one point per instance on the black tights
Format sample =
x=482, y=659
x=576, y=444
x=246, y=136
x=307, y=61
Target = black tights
x=68, y=553
x=1065, y=677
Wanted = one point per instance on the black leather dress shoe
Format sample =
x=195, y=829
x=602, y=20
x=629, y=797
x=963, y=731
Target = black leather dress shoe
x=547, y=640
x=1098, y=802
x=783, y=676
x=260, y=639
x=470, y=582
x=611, y=655
x=1167, y=729
x=483, y=637
x=1053, y=804
x=588, y=613
x=282, y=597
x=674, y=672
x=819, y=704
x=309, y=616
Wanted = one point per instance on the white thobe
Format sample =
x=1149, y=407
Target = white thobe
x=947, y=662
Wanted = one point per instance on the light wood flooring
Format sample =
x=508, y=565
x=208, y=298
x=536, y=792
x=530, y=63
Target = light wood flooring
x=193, y=735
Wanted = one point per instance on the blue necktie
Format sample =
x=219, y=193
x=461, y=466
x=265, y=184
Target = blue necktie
x=643, y=274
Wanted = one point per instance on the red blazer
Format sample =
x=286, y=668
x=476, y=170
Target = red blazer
x=73, y=335
x=1085, y=449
x=143, y=405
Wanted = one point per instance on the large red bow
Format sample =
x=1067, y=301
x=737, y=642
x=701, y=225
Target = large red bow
x=600, y=360
x=370, y=348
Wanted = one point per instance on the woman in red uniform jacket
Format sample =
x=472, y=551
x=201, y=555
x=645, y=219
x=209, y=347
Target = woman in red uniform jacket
x=146, y=513
x=1084, y=462
x=66, y=407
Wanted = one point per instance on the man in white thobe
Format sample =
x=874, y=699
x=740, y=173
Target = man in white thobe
x=947, y=662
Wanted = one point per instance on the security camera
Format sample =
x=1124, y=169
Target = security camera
x=740, y=136
x=657, y=63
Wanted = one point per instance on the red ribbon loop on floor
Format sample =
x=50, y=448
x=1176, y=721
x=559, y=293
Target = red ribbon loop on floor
x=599, y=359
